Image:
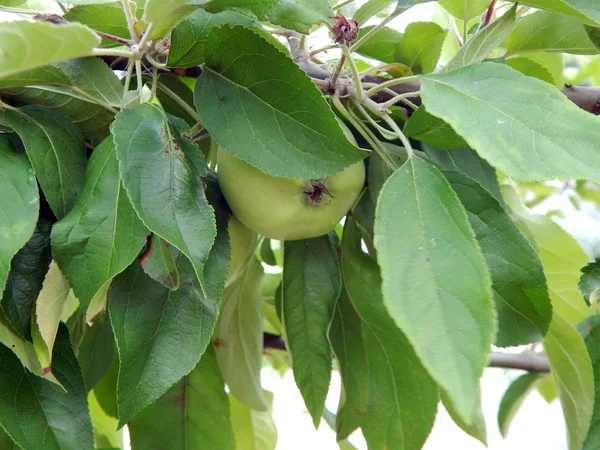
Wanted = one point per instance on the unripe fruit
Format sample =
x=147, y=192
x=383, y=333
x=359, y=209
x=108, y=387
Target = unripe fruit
x=285, y=208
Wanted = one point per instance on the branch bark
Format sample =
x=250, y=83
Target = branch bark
x=585, y=97
x=529, y=362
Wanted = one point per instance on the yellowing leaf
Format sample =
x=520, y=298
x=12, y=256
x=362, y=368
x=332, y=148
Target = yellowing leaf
x=54, y=302
x=561, y=256
x=572, y=371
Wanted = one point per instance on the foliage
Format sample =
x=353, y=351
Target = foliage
x=132, y=296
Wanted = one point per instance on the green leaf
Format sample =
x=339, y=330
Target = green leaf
x=99, y=302
x=171, y=87
x=466, y=161
x=161, y=171
x=370, y=9
x=54, y=302
x=594, y=35
x=23, y=349
x=106, y=389
x=49, y=75
x=164, y=15
x=144, y=315
x=561, y=256
x=95, y=78
x=462, y=9
x=553, y=63
x=348, y=344
x=519, y=285
x=242, y=109
x=266, y=253
x=592, y=343
x=193, y=414
x=401, y=398
x=531, y=68
x=379, y=171
x=6, y=442
x=434, y=272
x=409, y=3
x=480, y=46
x=26, y=45
x=108, y=18
x=19, y=204
x=102, y=234
x=424, y=127
x=585, y=11
x=27, y=271
x=253, y=429
x=547, y=389
x=158, y=262
x=96, y=352
x=99, y=2
x=189, y=38
x=238, y=337
x=382, y=45
x=589, y=282
x=513, y=398
x=421, y=46
x=297, y=15
x=571, y=368
x=477, y=428
x=545, y=31
x=105, y=426
x=39, y=414
x=311, y=286
x=91, y=118
x=500, y=119
x=56, y=150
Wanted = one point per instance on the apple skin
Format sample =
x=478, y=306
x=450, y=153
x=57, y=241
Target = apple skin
x=281, y=208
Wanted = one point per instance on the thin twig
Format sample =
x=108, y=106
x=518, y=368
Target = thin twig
x=322, y=49
x=180, y=102
x=336, y=74
x=130, y=20
x=364, y=131
x=523, y=361
x=140, y=84
x=113, y=52
x=354, y=70
x=154, y=62
x=112, y=37
x=390, y=83
x=146, y=38
x=154, y=83
x=384, y=132
x=402, y=98
x=400, y=134
x=128, y=78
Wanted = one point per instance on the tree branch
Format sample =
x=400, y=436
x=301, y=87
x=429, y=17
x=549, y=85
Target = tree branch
x=530, y=362
x=523, y=361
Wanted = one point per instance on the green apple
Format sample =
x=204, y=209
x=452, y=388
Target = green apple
x=286, y=208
